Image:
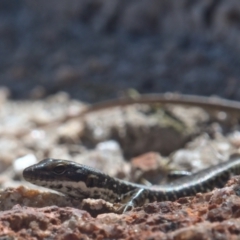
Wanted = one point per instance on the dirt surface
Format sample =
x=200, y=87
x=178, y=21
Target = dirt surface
x=140, y=143
x=96, y=49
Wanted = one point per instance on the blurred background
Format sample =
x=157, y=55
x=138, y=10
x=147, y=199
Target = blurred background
x=57, y=57
x=98, y=49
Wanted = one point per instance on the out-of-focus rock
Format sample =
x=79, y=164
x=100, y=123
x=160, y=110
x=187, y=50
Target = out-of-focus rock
x=21, y=163
x=149, y=166
x=70, y=131
x=202, y=153
x=126, y=125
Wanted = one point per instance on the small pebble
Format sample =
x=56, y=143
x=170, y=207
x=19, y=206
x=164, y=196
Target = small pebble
x=21, y=163
x=108, y=146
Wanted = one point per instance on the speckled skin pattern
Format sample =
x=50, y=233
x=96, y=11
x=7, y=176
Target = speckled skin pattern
x=80, y=181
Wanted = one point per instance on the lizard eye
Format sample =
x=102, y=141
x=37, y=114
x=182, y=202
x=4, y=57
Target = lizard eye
x=59, y=169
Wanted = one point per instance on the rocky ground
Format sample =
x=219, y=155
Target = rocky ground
x=207, y=216
x=136, y=143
